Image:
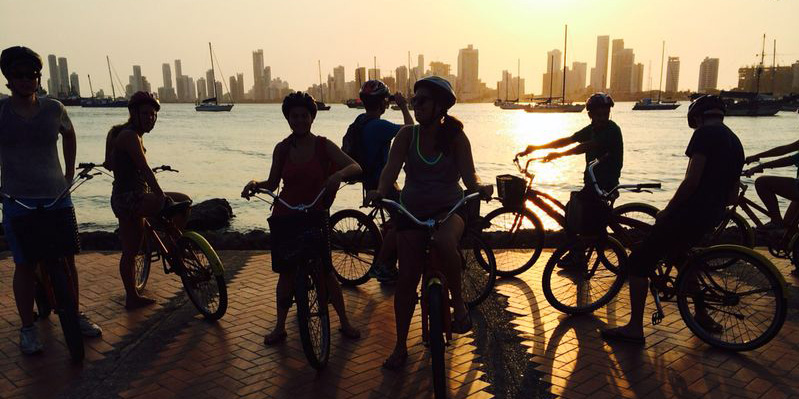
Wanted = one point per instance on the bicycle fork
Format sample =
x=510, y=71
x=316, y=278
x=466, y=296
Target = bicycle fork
x=657, y=315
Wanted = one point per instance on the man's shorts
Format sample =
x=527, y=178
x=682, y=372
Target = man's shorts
x=12, y=209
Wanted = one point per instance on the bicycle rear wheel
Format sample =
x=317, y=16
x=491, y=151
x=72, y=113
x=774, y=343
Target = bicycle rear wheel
x=203, y=276
x=478, y=269
x=66, y=304
x=312, y=315
x=436, y=338
x=517, y=237
x=355, y=241
x=732, y=298
x=636, y=220
x=143, y=262
x=581, y=277
x=733, y=229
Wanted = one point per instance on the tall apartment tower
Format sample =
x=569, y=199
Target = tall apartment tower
x=672, y=74
x=259, y=84
x=402, y=79
x=166, y=71
x=63, y=76
x=55, y=83
x=637, y=78
x=137, y=83
x=616, y=74
x=708, y=75
x=209, y=82
x=74, y=83
x=468, y=64
x=181, y=84
x=599, y=74
x=339, y=83
x=554, y=75
x=419, y=67
x=360, y=76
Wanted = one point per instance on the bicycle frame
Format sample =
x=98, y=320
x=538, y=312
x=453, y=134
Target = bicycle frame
x=749, y=207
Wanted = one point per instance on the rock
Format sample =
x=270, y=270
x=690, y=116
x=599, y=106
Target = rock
x=212, y=214
x=99, y=241
x=252, y=240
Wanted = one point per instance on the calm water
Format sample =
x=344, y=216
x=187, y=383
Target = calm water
x=217, y=153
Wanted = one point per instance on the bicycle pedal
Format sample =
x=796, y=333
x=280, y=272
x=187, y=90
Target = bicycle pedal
x=657, y=318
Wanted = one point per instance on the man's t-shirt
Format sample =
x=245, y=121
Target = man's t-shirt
x=608, y=141
x=377, y=136
x=724, y=162
x=29, y=163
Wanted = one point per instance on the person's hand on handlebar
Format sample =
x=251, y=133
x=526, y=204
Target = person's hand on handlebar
x=331, y=188
x=373, y=196
x=751, y=159
x=552, y=156
x=249, y=189
x=752, y=171
x=486, y=191
x=529, y=149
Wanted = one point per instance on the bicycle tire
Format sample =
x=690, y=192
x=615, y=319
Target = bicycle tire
x=478, y=269
x=793, y=246
x=355, y=241
x=43, y=305
x=141, y=273
x=66, y=306
x=569, y=290
x=517, y=237
x=733, y=230
x=312, y=316
x=435, y=294
x=203, y=276
x=755, y=275
x=634, y=232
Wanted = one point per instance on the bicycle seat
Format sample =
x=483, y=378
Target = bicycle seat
x=174, y=208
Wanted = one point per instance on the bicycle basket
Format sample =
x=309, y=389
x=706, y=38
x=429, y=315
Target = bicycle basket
x=587, y=214
x=47, y=234
x=511, y=190
x=298, y=237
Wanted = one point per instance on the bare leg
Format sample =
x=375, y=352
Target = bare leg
x=410, y=247
x=131, y=232
x=769, y=187
x=24, y=283
x=389, y=248
x=337, y=300
x=448, y=260
x=179, y=220
x=284, y=294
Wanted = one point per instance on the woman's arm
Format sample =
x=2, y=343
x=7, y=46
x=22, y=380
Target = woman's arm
x=272, y=182
x=347, y=167
x=465, y=162
x=774, y=152
x=396, y=157
x=130, y=142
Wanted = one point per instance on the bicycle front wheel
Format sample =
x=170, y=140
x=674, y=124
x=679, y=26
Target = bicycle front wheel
x=66, y=304
x=732, y=298
x=436, y=338
x=734, y=229
x=355, y=241
x=312, y=315
x=581, y=277
x=203, y=276
x=143, y=262
x=636, y=220
x=478, y=269
x=517, y=237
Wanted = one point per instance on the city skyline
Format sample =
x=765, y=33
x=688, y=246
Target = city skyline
x=295, y=59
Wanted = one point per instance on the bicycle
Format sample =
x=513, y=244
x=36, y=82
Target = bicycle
x=299, y=241
x=185, y=253
x=48, y=237
x=519, y=232
x=434, y=298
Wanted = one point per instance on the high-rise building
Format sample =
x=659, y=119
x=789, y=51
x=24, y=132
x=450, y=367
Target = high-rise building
x=403, y=84
x=616, y=86
x=219, y=92
x=240, y=87
x=234, y=88
x=74, y=83
x=374, y=73
x=510, y=87
x=202, y=89
x=552, y=81
x=54, y=84
x=181, y=84
x=599, y=74
x=439, y=68
x=136, y=82
x=637, y=78
x=192, y=92
x=63, y=76
x=708, y=75
x=420, y=66
x=339, y=89
x=672, y=74
x=209, y=82
x=360, y=76
x=166, y=71
x=575, y=78
x=259, y=83
x=467, y=81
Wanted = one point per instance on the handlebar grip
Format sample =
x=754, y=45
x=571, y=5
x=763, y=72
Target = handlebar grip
x=84, y=165
x=649, y=185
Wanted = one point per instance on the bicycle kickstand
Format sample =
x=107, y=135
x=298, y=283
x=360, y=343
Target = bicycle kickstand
x=657, y=315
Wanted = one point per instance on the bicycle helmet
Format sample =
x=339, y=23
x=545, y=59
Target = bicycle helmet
x=599, y=100
x=15, y=54
x=706, y=105
x=443, y=89
x=142, y=97
x=373, y=88
x=299, y=99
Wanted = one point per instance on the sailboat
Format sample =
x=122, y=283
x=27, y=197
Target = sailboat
x=320, y=105
x=513, y=104
x=551, y=105
x=646, y=104
x=742, y=103
x=113, y=102
x=211, y=104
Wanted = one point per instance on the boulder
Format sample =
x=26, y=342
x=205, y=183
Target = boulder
x=212, y=214
x=99, y=241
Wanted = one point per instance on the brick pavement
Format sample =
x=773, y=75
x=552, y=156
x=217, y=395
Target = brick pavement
x=673, y=364
x=168, y=351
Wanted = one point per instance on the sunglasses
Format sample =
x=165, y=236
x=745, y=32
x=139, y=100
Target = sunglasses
x=419, y=100
x=26, y=75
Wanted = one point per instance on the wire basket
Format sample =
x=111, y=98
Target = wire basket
x=299, y=237
x=511, y=190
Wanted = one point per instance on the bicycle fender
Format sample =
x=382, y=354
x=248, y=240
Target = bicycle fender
x=216, y=263
x=755, y=254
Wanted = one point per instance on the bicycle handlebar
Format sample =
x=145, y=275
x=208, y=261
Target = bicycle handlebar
x=164, y=168
x=629, y=187
x=431, y=223
x=301, y=207
x=82, y=176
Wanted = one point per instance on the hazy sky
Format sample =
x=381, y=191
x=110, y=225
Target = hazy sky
x=294, y=34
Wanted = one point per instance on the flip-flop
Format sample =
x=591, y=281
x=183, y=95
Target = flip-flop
x=462, y=325
x=351, y=333
x=139, y=303
x=274, y=339
x=614, y=335
x=395, y=361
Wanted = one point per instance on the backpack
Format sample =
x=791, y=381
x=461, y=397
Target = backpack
x=352, y=144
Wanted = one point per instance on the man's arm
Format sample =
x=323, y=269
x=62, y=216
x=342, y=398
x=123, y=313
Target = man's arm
x=69, y=147
x=552, y=144
x=396, y=157
x=774, y=152
x=403, y=106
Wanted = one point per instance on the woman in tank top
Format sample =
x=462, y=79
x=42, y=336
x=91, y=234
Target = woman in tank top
x=305, y=163
x=136, y=193
x=436, y=155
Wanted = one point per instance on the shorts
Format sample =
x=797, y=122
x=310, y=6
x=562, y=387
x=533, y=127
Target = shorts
x=11, y=210
x=405, y=223
x=672, y=236
x=126, y=204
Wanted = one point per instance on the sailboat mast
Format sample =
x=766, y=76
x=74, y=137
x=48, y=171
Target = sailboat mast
x=518, y=79
x=91, y=89
x=213, y=75
x=551, y=75
x=113, y=92
x=662, y=54
x=565, y=41
x=506, y=85
x=321, y=89
x=774, y=69
x=408, y=90
x=760, y=67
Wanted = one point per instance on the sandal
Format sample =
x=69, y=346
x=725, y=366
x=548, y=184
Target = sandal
x=350, y=332
x=462, y=325
x=615, y=334
x=396, y=361
x=140, y=302
x=275, y=338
